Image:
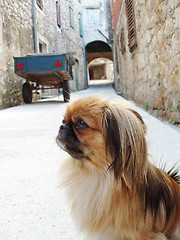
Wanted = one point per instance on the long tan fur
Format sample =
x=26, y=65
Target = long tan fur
x=114, y=191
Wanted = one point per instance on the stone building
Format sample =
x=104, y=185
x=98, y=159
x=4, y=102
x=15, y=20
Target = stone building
x=34, y=26
x=147, y=54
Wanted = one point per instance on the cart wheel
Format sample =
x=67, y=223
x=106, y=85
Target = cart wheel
x=27, y=92
x=66, y=91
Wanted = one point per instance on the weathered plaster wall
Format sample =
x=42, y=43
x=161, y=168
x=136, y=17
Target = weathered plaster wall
x=150, y=74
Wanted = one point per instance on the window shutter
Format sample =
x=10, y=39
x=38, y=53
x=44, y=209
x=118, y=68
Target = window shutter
x=71, y=13
x=58, y=14
x=131, y=25
x=40, y=3
x=80, y=27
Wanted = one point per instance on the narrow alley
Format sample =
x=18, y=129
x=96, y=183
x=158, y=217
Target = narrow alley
x=31, y=204
x=53, y=51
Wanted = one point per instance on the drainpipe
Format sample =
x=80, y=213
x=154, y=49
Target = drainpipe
x=107, y=39
x=34, y=26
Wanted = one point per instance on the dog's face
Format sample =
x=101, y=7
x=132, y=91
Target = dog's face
x=93, y=130
x=81, y=133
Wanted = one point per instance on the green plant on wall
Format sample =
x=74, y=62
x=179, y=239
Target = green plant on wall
x=164, y=36
x=174, y=123
x=178, y=107
x=158, y=75
x=175, y=108
x=146, y=106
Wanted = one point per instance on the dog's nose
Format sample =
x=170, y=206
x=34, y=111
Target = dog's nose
x=63, y=127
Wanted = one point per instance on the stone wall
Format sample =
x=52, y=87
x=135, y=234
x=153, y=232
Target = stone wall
x=150, y=74
x=17, y=39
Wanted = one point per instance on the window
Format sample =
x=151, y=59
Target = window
x=40, y=3
x=92, y=16
x=116, y=56
x=122, y=41
x=71, y=15
x=58, y=14
x=42, y=47
x=131, y=25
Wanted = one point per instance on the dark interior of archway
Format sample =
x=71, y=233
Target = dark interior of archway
x=98, y=46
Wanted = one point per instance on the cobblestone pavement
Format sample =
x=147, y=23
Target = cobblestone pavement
x=31, y=205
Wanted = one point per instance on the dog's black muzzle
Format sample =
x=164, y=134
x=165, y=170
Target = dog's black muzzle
x=68, y=141
x=65, y=131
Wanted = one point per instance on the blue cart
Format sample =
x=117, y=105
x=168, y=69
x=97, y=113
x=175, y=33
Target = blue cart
x=44, y=71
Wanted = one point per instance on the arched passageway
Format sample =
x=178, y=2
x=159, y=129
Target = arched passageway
x=100, y=71
x=99, y=60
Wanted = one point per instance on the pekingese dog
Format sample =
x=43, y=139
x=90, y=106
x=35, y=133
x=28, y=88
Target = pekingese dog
x=114, y=191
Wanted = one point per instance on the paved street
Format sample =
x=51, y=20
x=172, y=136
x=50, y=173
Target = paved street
x=31, y=205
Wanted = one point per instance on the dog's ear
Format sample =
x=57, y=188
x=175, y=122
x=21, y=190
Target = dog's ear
x=139, y=117
x=113, y=142
x=125, y=141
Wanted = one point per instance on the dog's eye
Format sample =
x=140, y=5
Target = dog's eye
x=80, y=124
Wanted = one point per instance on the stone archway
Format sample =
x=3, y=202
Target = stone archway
x=100, y=71
x=98, y=49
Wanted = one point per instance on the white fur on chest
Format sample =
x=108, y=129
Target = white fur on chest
x=88, y=193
